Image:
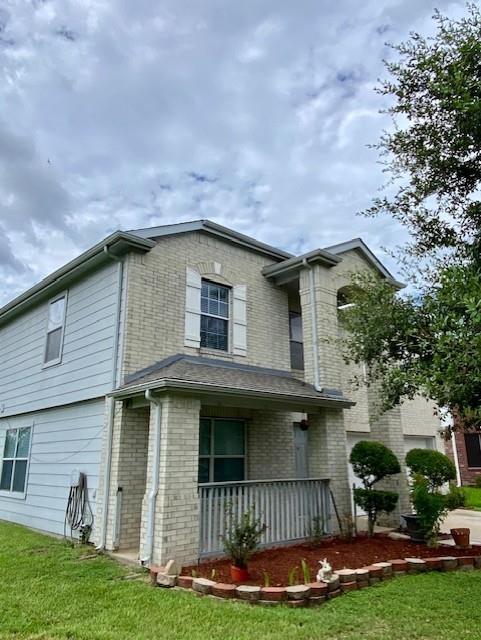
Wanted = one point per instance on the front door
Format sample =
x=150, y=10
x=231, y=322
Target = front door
x=300, y=451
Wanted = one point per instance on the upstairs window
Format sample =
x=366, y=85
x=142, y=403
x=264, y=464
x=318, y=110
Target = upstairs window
x=16, y=453
x=296, y=340
x=214, y=318
x=55, y=330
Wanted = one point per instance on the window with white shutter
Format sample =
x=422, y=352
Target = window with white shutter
x=215, y=315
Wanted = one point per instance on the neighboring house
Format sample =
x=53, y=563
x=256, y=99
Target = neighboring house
x=464, y=448
x=189, y=370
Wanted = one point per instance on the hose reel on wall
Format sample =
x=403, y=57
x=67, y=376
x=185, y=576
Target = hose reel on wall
x=78, y=515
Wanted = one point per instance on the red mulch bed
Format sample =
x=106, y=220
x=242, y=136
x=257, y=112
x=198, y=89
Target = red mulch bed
x=362, y=551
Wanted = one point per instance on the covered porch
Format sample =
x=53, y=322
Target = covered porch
x=186, y=461
x=291, y=509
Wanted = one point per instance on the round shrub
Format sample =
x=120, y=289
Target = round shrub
x=375, y=500
x=373, y=461
x=436, y=467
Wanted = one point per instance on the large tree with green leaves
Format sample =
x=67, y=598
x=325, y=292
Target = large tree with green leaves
x=429, y=341
x=433, y=152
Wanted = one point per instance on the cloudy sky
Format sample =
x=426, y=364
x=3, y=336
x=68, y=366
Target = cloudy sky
x=254, y=114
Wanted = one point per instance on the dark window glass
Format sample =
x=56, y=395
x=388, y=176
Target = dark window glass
x=296, y=340
x=6, y=479
x=473, y=449
x=10, y=444
x=228, y=469
x=19, y=476
x=204, y=464
x=214, y=306
x=221, y=450
x=214, y=333
x=228, y=438
x=15, y=454
x=204, y=438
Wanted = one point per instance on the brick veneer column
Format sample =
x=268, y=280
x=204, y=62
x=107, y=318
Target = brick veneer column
x=128, y=469
x=327, y=457
x=387, y=428
x=328, y=353
x=176, y=533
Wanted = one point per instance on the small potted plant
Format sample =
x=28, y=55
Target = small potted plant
x=430, y=470
x=242, y=539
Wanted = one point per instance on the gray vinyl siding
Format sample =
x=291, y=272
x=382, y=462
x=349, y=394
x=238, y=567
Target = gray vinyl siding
x=86, y=369
x=63, y=439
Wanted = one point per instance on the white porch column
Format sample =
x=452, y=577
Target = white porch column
x=327, y=458
x=176, y=523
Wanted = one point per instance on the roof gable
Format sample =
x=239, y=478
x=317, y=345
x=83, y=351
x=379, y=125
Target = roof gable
x=212, y=228
x=357, y=244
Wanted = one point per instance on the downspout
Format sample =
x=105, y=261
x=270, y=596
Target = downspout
x=111, y=404
x=108, y=465
x=154, y=488
x=456, y=459
x=312, y=300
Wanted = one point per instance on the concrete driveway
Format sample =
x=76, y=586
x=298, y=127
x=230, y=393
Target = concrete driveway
x=464, y=518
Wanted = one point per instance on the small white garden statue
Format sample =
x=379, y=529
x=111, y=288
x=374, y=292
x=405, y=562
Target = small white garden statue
x=325, y=572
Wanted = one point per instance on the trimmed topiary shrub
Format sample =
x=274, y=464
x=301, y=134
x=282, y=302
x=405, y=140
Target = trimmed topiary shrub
x=371, y=462
x=430, y=471
x=433, y=465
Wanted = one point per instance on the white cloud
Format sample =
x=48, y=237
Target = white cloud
x=254, y=114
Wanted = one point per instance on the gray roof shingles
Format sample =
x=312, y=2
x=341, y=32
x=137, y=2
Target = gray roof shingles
x=224, y=374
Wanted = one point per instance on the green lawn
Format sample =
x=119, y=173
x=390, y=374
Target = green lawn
x=473, y=498
x=47, y=592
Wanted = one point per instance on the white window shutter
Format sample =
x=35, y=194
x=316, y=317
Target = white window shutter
x=239, y=320
x=192, y=308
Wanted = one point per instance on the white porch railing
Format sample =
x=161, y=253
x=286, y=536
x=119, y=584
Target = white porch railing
x=290, y=509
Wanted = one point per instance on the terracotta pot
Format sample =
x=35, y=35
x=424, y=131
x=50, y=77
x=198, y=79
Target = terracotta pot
x=461, y=536
x=239, y=574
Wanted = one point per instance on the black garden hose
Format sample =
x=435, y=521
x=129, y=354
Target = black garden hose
x=78, y=515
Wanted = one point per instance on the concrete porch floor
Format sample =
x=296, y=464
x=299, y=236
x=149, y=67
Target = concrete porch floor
x=126, y=556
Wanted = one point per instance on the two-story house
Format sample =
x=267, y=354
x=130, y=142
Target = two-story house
x=190, y=372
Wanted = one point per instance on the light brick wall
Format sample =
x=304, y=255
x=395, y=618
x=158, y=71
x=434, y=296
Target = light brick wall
x=128, y=470
x=387, y=428
x=176, y=533
x=155, y=308
x=270, y=438
x=132, y=474
x=418, y=418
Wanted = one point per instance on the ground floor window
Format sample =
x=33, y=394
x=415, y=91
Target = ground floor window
x=15, y=460
x=473, y=449
x=221, y=450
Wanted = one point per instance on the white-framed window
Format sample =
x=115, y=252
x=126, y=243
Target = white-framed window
x=222, y=447
x=55, y=330
x=214, y=316
x=16, y=454
x=296, y=340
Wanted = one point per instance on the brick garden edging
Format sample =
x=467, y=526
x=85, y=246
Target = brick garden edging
x=302, y=595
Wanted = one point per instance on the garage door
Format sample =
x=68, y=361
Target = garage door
x=418, y=442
